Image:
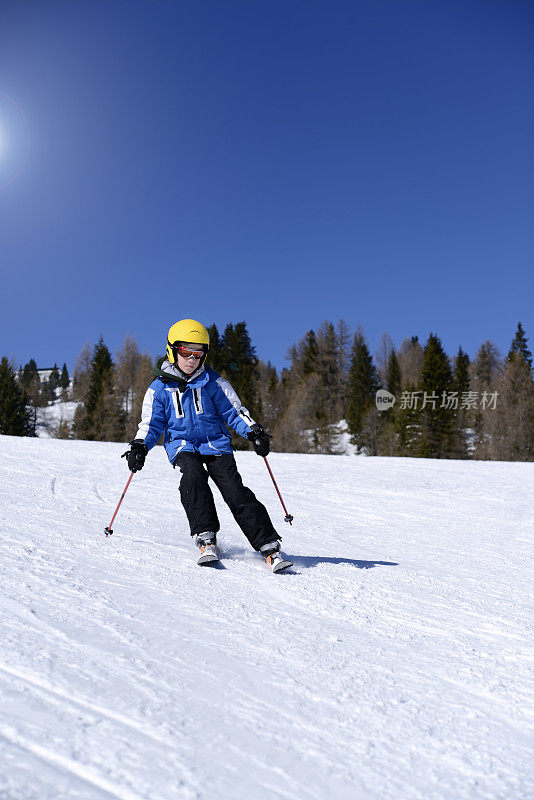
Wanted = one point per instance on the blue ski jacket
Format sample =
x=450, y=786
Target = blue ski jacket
x=193, y=418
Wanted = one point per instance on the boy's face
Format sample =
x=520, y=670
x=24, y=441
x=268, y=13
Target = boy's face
x=188, y=364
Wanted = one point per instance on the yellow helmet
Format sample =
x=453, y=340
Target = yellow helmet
x=189, y=331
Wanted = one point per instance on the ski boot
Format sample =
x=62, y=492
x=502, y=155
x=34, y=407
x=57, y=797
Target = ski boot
x=206, y=543
x=274, y=557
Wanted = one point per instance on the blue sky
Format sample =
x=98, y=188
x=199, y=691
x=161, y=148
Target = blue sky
x=280, y=163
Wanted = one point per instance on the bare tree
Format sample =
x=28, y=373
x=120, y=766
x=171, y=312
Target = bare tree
x=143, y=379
x=128, y=358
x=410, y=358
x=269, y=391
x=486, y=366
x=82, y=373
x=344, y=338
x=382, y=356
x=299, y=430
x=485, y=373
x=508, y=423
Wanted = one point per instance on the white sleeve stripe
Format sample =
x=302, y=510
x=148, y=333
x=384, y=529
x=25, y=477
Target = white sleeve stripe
x=146, y=415
x=235, y=401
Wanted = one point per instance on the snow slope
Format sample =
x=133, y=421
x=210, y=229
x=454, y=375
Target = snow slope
x=393, y=662
x=49, y=417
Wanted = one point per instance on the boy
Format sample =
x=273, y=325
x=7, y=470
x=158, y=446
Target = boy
x=191, y=404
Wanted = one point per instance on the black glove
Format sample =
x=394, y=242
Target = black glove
x=136, y=455
x=260, y=439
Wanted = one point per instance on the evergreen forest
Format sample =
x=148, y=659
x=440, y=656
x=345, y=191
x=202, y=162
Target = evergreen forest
x=334, y=396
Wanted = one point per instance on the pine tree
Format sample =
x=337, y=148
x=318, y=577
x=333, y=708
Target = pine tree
x=377, y=430
x=519, y=347
x=239, y=365
x=328, y=402
x=15, y=417
x=109, y=418
x=388, y=440
x=215, y=354
x=462, y=416
x=393, y=375
x=101, y=373
x=436, y=419
x=50, y=386
x=64, y=380
x=35, y=390
x=362, y=386
x=53, y=380
x=29, y=374
x=101, y=417
x=309, y=354
x=329, y=370
x=407, y=422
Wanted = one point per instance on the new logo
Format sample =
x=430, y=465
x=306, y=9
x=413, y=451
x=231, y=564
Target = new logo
x=384, y=400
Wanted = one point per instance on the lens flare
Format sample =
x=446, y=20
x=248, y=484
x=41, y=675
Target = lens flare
x=14, y=140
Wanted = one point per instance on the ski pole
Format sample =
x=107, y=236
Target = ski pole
x=108, y=529
x=288, y=517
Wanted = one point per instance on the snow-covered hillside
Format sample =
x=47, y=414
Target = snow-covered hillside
x=50, y=417
x=392, y=662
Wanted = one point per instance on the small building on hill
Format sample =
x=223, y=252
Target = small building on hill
x=44, y=373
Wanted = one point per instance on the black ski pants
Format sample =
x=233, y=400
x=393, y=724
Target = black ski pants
x=197, y=498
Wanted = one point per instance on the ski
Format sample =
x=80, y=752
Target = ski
x=275, y=561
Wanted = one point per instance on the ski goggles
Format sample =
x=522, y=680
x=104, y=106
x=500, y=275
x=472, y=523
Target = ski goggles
x=187, y=352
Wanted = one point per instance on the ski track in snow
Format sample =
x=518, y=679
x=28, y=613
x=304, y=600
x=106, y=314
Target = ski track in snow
x=393, y=661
